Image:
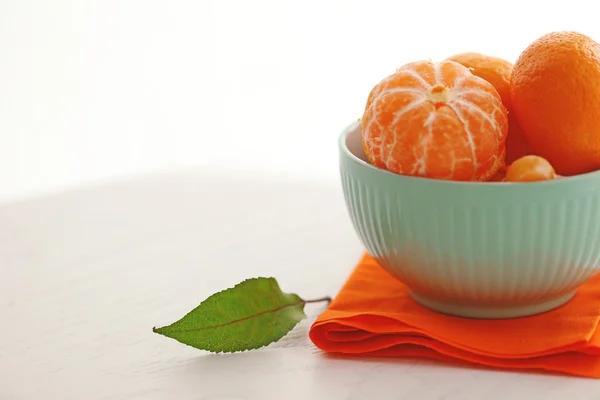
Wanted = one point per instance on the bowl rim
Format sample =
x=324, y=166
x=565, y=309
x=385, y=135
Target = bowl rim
x=408, y=178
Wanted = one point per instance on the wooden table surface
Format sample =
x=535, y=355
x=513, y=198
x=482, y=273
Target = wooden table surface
x=86, y=274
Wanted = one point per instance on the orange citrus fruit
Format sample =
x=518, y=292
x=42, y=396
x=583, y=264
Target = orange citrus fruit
x=498, y=71
x=435, y=120
x=530, y=169
x=555, y=90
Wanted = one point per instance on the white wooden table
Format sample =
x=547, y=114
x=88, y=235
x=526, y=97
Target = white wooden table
x=86, y=274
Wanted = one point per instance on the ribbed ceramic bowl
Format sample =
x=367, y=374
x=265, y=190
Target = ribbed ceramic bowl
x=480, y=250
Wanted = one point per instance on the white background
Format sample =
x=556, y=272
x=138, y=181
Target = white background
x=96, y=90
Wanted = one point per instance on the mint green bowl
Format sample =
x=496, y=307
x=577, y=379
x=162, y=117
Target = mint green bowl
x=478, y=250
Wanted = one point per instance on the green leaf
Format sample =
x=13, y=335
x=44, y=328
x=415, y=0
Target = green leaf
x=251, y=315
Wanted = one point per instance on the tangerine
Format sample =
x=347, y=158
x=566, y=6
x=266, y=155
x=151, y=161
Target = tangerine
x=498, y=71
x=555, y=90
x=435, y=120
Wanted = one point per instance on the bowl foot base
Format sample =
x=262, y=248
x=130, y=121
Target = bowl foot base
x=460, y=310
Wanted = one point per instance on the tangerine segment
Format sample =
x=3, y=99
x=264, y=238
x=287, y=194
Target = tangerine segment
x=530, y=169
x=435, y=120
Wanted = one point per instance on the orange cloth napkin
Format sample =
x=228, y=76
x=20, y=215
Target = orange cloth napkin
x=373, y=315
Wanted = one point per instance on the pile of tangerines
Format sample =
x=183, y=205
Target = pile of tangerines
x=474, y=117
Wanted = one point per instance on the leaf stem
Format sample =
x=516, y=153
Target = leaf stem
x=326, y=298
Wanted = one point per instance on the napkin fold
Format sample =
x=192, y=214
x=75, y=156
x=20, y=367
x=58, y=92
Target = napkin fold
x=373, y=315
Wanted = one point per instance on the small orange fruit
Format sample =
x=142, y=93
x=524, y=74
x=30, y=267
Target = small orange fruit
x=435, y=120
x=555, y=90
x=530, y=169
x=498, y=72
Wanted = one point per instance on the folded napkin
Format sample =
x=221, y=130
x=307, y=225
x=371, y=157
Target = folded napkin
x=373, y=315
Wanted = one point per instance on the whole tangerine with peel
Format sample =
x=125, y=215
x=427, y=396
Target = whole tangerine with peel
x=555, y=90
x=498, y=71
x=530, y=169
x=435, y=120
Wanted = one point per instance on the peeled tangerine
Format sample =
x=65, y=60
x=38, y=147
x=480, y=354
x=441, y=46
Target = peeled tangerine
x=498, y=71
x=435, y=120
